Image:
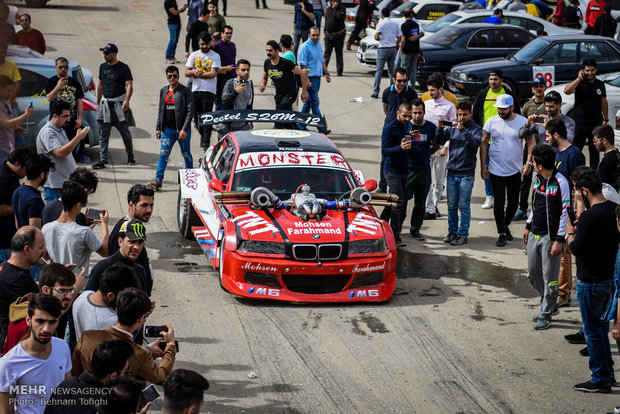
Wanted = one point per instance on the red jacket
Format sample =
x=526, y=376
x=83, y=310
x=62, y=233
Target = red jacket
x=594, y=11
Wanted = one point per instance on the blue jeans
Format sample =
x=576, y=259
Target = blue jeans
x=168, y=137
x=174, y=30
x=318, y=15
x=459, y=199
x=386, y=55
x=312, y=104
x=488, y=188
x=50, y=194
x=593, y=299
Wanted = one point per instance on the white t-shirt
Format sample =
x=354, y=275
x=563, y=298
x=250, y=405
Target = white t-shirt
x=506, y=149
x=70, y=243
x=20, y=368
x=87, y=315
x=206, y=62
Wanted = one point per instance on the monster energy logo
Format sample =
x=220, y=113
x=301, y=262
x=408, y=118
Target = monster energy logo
x=138, y=229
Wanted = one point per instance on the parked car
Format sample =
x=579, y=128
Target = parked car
x=281, y=215
x=565, y=53
x=527, y=21
x=460, y=43
x=35, y=72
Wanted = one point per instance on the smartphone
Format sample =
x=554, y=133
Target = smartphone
x=571, y=215
x=414, y=129
x=242, y=81
x=162, y=345
x=148, y=394
x=154, y=331
x=539, y=120
x=93, y=213
x=446, y=123
x=31, y=103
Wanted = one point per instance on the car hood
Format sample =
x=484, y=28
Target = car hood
x=484, y=65
x=336, y=226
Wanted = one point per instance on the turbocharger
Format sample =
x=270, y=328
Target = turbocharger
x=306, y=206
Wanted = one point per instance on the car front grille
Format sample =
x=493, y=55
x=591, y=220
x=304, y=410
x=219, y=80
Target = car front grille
x=322, y=252
x=363, y=47
x=315, y=284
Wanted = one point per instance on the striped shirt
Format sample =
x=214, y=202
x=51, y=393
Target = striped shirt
x=228, y=55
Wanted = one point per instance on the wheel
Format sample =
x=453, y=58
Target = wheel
x=36, y=3
x=220, y=265
x=186, y=217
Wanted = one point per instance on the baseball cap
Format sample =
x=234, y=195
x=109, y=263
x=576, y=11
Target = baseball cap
x=497, y=72
x=133, y=229
x=538, y=80
x=109, y=48
x=504, y=101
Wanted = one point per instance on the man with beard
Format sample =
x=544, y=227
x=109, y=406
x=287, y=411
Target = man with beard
x=591, y=107
x=27, y=203
x=38, y=363
x=608, y=167
x=64, y=88
x=96, y=310
x=140, y=199
x=500, y=140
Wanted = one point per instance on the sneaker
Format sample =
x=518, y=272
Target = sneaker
x=100, y=165
x=563, y=301
x=348, y=46
x=584, y=352
x=155, y=185
x=555, y=312
x=399, y=241
x=131, y=161
x=417, y=235
x=430, y=216
x=449, y=238
x=501, y=241
x=459, y=241
x=488, y=203
x=576, y=338
x=590, y=387
x=437, y=212
x=541, y=324
x=521, y=215
x=509, y=235
x=374, y=95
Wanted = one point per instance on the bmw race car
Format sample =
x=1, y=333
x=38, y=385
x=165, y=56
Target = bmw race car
x=281, y=215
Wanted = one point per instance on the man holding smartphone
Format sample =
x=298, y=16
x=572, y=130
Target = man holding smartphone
x=238, y=93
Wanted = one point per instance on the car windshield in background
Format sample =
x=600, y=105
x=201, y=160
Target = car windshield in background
x=447, y=35
x=614, y=80
x=328, y=183
x=442, y=22
x=530, y=50
x=397, y=12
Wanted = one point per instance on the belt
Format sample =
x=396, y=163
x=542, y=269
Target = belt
x=336, y=33
x=388, y=47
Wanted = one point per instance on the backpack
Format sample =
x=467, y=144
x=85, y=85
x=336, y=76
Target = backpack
x=18, y=328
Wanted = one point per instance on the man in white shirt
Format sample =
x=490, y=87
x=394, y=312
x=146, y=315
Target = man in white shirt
x=505, y=162
x=203, y=66
x=389, y=35
x=437, y=109
x=30, y=370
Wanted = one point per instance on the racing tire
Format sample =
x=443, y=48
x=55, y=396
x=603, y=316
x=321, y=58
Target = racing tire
x=36, y=3
x=220, y=265
x=186, y=217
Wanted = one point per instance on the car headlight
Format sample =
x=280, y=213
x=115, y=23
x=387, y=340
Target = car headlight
x=251, y=246
x=373, y=46
x=367, y=246
x=463, y=76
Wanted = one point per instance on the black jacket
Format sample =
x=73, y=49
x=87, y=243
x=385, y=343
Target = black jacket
x=463, y=148
x=182, y=107
x=229, y=94
x=478, y=105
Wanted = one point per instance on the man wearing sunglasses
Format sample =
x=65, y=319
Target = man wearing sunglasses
x=63, y=88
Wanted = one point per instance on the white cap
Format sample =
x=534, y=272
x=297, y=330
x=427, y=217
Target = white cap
x=504, y=101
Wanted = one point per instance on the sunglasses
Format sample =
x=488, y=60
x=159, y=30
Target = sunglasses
x=63, y=67
x=173, y=76
x=401, y=80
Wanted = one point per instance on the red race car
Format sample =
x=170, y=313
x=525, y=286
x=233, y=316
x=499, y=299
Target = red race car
x=281, y=215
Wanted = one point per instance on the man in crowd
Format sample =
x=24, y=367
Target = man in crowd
x=238, y=94
x=195, y=29
x=484, y=109
x=63, y=88
x=110, y=360
x=410, y=46
x=68, y=242
x=40, y=359
x=594, y=244
x=395, y=142
x=594, y=10
x=132, y=306
x=419, y=176
x=545, y=230
x=85, y=177
x=202, y=67
x=28, y=36
x=9, y=120
x=96, y=310
x=505, y=165
x=57, y=280
x=606, y=25
x=609, y=165
x=27, y=247
x=282, y=73
x=131, y=238
x=303, y=20
x=228, y=56
x=27, y=202
x=389, y=35
x=184, y=392
x=174, y=28
x=216, y=21
x=114, y=91
x=140, y=201
x=311, y=57
x=174, y=123
x=52, y=141
x=464, y=138
x=9, y=69
x=11, y=171
x=318, y=9
x=591, y=107
x=335, y=33
x=364, y=10
x=567, y=159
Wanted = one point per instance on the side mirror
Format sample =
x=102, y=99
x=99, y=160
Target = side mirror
x=216, y=185
x=371, y=185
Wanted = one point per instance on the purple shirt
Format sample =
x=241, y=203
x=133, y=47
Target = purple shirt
x=228, y=55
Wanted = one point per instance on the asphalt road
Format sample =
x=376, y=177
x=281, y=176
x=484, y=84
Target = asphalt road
x=457, y=335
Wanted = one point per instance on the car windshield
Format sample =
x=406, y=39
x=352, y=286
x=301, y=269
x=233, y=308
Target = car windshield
x=612, y=79
x=397, y=12
x=530, y=50
x=327, y=183
x=447, y=35
x=442, y=22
